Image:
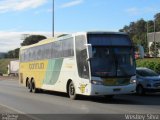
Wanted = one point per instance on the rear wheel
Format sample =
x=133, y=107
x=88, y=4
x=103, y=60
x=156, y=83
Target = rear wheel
x=33, y=87
x=72, y=91
x=140, y=90
x=29, y=86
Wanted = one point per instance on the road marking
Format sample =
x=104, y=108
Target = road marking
x=20, y=112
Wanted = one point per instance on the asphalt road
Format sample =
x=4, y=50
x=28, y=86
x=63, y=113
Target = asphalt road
x=17, y=98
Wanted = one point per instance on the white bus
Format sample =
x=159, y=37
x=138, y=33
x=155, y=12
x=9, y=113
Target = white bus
x=87, y=63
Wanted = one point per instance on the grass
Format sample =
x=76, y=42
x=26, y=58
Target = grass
x=4, y=64
x=151, y=63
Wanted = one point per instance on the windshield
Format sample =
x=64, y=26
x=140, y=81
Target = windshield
x=146, y=73
x=112, y=61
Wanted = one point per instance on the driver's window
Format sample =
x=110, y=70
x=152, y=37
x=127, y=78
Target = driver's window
x=94, y=52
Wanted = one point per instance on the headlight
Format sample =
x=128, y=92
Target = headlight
x=133, y=81
x=96, y=82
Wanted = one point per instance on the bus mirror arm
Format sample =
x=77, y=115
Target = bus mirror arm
x=89, y=47
x=88, y=59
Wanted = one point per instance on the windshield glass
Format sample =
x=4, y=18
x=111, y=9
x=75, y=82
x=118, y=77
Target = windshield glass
x=112, y=61
x=146, y=73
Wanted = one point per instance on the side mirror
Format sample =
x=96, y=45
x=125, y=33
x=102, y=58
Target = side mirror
x=89, y=47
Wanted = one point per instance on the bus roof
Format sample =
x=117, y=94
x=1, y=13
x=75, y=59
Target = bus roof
x=65, y=36
x=45, y=41
x=106, y=32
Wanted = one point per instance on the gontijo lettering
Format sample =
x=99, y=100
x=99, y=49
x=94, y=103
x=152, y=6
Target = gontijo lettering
x=36, y=66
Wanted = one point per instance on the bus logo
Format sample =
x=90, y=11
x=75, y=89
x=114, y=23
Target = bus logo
x=82, y=87
x=36, y=66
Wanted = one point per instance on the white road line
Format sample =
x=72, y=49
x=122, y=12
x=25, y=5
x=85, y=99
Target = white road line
x=20, y=112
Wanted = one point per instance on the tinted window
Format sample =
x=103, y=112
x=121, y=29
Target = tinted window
x=81, y=55
x=102, y=63
x=58, y=49
x=39, y=53
x=109, y=40
x=67, y=46
x=113, y=55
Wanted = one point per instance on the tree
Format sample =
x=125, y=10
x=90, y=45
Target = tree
x=13, y=53
x=150, y=26
x=157, y=22
x=16, y=53
x=137, y=32
x=32, y=39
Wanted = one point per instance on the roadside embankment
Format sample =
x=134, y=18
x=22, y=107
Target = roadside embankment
x=3, y=65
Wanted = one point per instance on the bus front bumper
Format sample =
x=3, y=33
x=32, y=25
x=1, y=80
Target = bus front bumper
x=112, y=90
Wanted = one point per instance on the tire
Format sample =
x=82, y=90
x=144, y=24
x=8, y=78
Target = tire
x=140, y=90
x=33, y=87
x=72, y=91
x=29, y=86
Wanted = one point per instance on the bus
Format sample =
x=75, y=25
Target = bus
x=85, y=63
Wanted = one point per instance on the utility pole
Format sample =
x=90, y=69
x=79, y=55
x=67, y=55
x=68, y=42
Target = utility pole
x=147, y=40
x=155, y=38
x=53, y=20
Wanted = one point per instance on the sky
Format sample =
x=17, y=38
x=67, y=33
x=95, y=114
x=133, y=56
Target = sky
x=18, y=17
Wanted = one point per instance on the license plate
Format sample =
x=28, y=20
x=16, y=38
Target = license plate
x=110, y=81
x=116, y=89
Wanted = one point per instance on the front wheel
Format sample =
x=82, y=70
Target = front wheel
x=109, y=96
x=140, y=90
x=72, y=91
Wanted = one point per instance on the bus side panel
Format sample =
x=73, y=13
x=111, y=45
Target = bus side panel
x=68, y=72
x=35, y=70
x=59, y=71
x=53, y=71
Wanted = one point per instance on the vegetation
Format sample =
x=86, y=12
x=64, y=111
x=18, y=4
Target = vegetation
x=3, y=65
x=138, y=31
x=32, y=39
x=151, y=63
x=13, y=54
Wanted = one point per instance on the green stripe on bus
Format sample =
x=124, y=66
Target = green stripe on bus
x=53, y=71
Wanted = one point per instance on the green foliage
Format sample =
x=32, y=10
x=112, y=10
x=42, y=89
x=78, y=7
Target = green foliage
x=3, y=65
x=138, y=30
x=13, y=54
x=157, y=20
x=151, y=63
x=32, y=39
x=150, y=26
x=157, y=67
